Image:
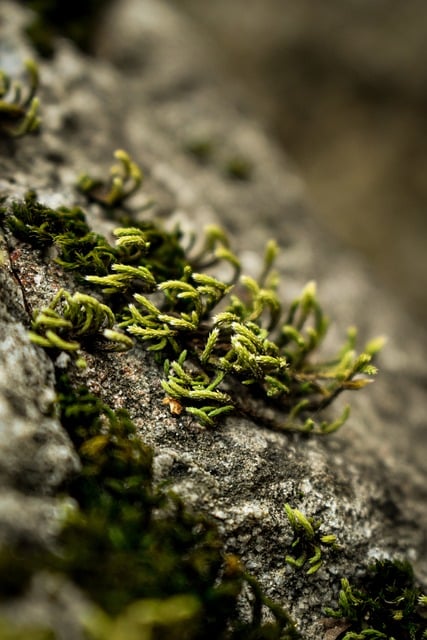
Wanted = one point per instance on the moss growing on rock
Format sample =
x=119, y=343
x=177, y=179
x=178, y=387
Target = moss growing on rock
x=219, y=341
x=19, y=112
x=385, y=604
x=153, y=567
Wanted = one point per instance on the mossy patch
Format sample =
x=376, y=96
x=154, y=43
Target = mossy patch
x=309, y=543
x=220, y=341
x=19, y=106
x=150, y=564
x=385, y=604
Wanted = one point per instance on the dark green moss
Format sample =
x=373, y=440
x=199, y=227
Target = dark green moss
x=80, y=249
x=84, y=252
x=386, y=603
x=129, y=541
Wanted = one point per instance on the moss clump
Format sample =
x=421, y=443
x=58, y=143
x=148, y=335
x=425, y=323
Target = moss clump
x=84, y=252
x=72, y=320
x=79, y=249
x=18, y=112
x=150, y=564
x=386, y=604
x=309, y=543
x=221, y=342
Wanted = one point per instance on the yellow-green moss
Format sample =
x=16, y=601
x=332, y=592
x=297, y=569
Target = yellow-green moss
x=19, y=106
x=219, y=341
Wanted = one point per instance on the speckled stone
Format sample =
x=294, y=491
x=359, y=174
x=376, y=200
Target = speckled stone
x=366, y=483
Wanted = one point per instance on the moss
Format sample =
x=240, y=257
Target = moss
x=125, y=179
x=82, y=251
x=71, y=321
x=220, y=342
x=386, y=603
x=79, y=249
x=19, y=112
x=309, y=543
x=136, y=550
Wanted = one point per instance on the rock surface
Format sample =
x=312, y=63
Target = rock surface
x=153, y=96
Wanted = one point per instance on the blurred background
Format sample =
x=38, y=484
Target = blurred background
x=342, y=84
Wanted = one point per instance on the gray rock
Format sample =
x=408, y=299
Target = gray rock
x=35, y=454
x=366, y=483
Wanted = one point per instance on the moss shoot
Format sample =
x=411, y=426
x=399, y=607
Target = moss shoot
x=19, y=106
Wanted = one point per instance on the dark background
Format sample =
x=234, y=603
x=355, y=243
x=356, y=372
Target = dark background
x=342, y=85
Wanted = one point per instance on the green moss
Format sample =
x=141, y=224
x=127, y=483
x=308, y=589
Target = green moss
x=219, y=342
x=309, y=544
x=19, y=112
x=71, y=321
x=125, y=179
x=386, y=603
x=83, y=252
x=144, y=559
x=79, y=249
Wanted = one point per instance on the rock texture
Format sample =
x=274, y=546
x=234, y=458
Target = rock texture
x=154, y=91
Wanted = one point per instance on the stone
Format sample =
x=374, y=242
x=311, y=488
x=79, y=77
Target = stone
x=366, y=483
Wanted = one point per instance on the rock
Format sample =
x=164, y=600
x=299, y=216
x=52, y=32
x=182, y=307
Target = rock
x=366, y=483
